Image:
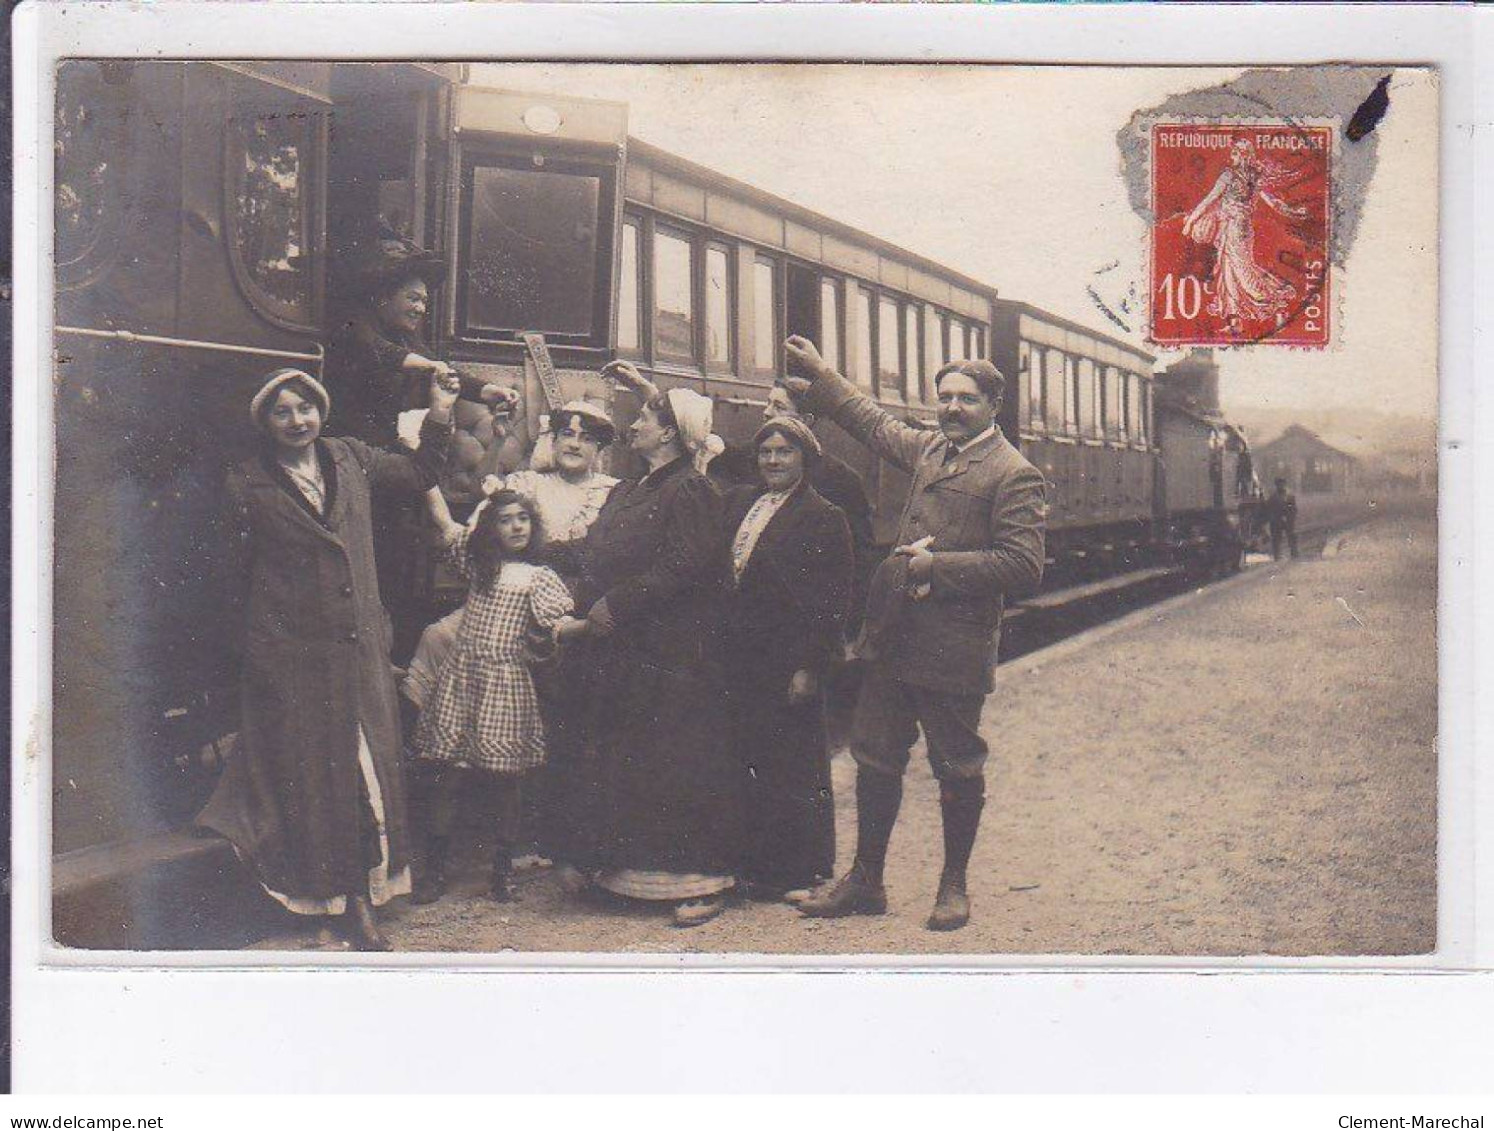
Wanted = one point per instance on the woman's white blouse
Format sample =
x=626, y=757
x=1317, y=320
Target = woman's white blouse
x=753, y=524
x=566, y=509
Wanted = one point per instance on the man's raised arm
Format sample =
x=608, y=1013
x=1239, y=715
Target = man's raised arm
x=826, y=393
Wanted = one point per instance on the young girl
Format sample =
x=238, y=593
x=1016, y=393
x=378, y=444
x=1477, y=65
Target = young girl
x=482, y=718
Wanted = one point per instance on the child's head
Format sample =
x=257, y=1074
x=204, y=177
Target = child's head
x=508, y=529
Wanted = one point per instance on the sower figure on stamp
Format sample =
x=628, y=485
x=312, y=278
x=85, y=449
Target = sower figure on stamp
x=970, y=533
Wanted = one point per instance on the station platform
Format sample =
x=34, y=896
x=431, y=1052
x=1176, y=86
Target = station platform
x=1246, y=769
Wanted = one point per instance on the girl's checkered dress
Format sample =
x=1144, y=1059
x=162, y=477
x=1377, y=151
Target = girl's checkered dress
x=483, y=713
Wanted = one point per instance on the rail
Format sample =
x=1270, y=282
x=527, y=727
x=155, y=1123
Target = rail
x=131, y=336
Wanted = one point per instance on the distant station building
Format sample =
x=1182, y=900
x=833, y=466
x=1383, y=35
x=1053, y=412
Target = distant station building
x=1310, y=465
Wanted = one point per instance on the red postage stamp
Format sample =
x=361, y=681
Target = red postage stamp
x=1240, y=234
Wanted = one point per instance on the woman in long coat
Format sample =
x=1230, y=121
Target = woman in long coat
x=313, y=798
x=667, y=815
x=789, y=579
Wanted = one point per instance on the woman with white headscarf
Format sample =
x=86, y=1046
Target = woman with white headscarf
x=667, y=823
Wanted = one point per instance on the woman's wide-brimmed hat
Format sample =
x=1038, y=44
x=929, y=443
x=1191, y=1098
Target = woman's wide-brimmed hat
x=277, y=381
x=593, y=419
x=390, y=260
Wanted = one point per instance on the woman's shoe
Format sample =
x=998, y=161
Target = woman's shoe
x=694, y=912
x=360, y=927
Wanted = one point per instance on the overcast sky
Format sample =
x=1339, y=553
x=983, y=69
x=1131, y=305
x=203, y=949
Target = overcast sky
x=1012, y=175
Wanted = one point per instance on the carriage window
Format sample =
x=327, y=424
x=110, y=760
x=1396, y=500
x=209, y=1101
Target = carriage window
x=1113, y=379
x=718, y=292
x=863, y=374
x=89, y=195
x=1143, y=410
x=1088, y=398
x=1030, y=365
x=628, y=320
x=271, y=187
x=889, y=377
x=674, y=296
x=932, y=336
x=1070, y=421
x=830, y=323
x=1104, y=411
x=765, y=315
x=910, y=349
x=532, y=251
x=1126, y=394
x=977, y=341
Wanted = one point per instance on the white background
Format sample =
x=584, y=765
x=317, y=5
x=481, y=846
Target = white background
x=122, y=1030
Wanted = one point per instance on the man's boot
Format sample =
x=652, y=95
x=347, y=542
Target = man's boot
x=960, y=803
x=502, y=886
x=860, y=891
x=430, y=877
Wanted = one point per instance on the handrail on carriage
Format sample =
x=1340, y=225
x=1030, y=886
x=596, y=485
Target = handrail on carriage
x=192, y=343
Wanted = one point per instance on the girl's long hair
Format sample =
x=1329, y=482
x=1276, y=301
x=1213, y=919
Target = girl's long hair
x=485, y=549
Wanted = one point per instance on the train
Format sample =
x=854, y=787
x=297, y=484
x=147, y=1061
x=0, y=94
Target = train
x=203, y=214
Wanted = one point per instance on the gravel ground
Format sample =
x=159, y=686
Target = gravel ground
x=1246, y=770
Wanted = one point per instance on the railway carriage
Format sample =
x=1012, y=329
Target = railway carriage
x=206, y=213
x=1082, y=403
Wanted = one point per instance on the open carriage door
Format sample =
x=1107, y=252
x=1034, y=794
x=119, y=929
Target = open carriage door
x=386, y=163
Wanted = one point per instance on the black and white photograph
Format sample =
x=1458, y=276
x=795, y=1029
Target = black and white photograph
x=748, y=548
x=500, y=510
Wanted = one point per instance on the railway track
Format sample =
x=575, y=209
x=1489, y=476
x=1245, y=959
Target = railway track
x=1052, y=616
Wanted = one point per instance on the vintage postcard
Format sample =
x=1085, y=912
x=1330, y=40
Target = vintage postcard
x=500, y=512
x=981, y=492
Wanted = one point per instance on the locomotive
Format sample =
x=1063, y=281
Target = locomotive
x=203, y=211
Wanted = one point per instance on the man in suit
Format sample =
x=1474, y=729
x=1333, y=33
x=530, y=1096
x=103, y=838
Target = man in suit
x=970, y=534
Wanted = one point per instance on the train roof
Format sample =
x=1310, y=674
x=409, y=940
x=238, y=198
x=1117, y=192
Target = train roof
x=704, y=174
x=1076, y=327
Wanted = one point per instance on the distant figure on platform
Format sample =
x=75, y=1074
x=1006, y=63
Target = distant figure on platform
x=1280, y=513
x=971, y=533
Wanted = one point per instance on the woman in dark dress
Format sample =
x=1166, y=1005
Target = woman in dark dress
x=790, y=574
x=668, y=806
x=378, y=366
x=313, y=796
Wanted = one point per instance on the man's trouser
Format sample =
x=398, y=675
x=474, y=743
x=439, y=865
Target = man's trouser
x=889, y=713
x=1291, y=537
